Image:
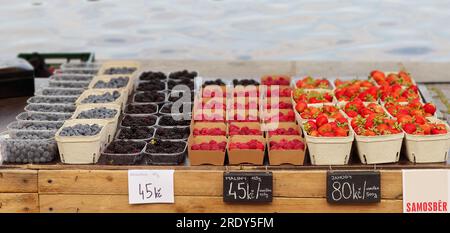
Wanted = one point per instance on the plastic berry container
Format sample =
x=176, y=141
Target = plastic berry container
x=52, y=100
x=56, y=108
x=148, y=131
x=73, y=92
x=34, y=125
x=24, y=151
x=141, y=97
x=43, y=116
x=166, y=158
x=72, y=77
x=122, y=158
x=86, y=71
x=141, y=109
x=68, y=84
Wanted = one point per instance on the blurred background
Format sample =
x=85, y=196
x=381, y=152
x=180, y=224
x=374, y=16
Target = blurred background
x=395, y=30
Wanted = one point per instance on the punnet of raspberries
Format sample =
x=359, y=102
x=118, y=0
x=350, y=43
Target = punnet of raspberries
x=283, y=131
x=285, y=144
x=211, y=145
x=236, y=130
x=250, y=145
x=275, y=80
x=209, y=131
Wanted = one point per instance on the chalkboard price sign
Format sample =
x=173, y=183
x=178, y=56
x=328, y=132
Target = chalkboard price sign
x=247, y=187
x=353, y=187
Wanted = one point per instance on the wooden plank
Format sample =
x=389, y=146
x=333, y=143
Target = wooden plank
x=19, y=203
x=202, y=204
x=199, y=183
x=18, y=181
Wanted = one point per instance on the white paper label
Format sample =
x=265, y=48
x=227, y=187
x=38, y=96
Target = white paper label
x=150, y=186
x=426, y=191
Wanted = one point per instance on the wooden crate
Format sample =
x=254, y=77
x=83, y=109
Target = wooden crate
x=18, y=191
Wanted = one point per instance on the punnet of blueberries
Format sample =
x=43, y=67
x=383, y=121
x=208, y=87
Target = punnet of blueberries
x=64, y=84
x=81, y=130
x=35, y=125
x=175, y=133
x=136, y=133
x=154, y=85
x=113, y=83
x=150, y=75
x=97, y=113
x=72, y=77
x=183, y=74
x=141, y=109
x=29, y=151
x=78, y=71
x=120, y=70
x=139, y=120
x=103, y=98
x=150, y=97
x=37, y=116
x=61, y=108
x=52, y=100
x=62, y=91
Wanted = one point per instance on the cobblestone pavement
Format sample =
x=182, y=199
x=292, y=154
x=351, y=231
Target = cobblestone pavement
x=440, y=94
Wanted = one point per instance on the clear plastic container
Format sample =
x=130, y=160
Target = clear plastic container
x=31, y=134
x=91, y=71
x=72, y=77
x=150, y=130
x=69, y=84
x=173, y=97
x=139, y=119
x=143, y=94
x=81, y=65
x=75, y=92
x=34, y=125
x=179, y=133
x=27, y=150
x=122, y=159
x=166, y=109
x=171, y=84
x=43, y=116
x=107, y=79
x=134, y=109
x=166, y=159
x=143, y=86
x=174, y=120
x=59, y=108
x=108, y=66
x=121, y=100
x=51, y=100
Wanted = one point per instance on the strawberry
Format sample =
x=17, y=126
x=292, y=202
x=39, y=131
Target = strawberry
x=409, y=128
x=429, y=108
x=321, y=120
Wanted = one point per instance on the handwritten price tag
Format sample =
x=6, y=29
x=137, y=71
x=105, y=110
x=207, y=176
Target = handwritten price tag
x=150, y=186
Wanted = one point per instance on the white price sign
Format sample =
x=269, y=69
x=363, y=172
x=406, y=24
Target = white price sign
x=150, y=186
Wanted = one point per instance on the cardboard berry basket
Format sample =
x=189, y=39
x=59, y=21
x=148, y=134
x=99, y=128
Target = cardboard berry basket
x=206, y=157
x=208, y=125
x=297, y=78
x=250, y=125
x=246, y=156
x=300, y=119
x=379, y=149
x=119, y=64
x=279, y=157
x=81, y=149
x=111, y=127
x=121, y=100
x=128, y=88
x=281, y=125
x=329, y=150
x=428, y=148
x=275, y=77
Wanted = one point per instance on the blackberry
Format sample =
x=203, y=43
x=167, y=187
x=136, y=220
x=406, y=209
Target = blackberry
x=172, y=133
x=168, y=120
x=150, y=75
x=156, y=146
x=151, y=86
x=150, y=97
x=141, y=108
x=136, y=133
x=139, y=120
x=183, y=74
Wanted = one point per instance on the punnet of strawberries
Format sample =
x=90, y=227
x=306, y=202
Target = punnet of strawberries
x=419, y=125
x=285, y=144
x=309, y=82
x=413, y=108
x=311, y=112
x=311, y=96
x=211, y=145
x=209, y=131
x=245, y=130
x=375, y=125
x=250, y=145
x=275, y=80
x=322, y=127
x=402, y=78
x=356, y=89
x=357, y=107
x=397, y=93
